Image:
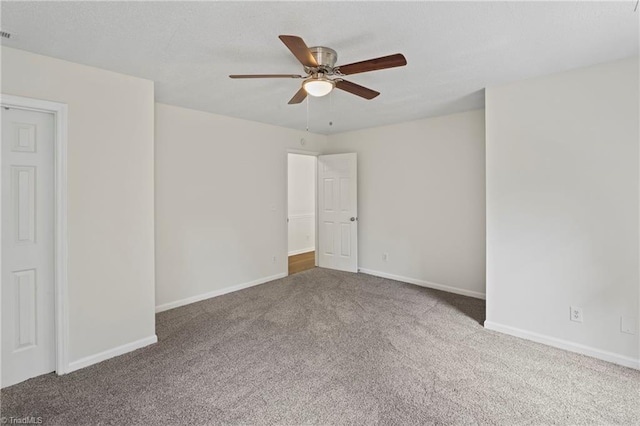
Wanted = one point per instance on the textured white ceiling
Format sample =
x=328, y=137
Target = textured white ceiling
x=454, y=50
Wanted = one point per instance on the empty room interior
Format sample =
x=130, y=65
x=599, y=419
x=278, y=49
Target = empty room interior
x=287, y=213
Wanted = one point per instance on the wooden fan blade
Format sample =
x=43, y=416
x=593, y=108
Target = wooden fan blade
x=299, y=96
x=265, y=76
x=391, y=61
x=299, y=49
x=356, y=89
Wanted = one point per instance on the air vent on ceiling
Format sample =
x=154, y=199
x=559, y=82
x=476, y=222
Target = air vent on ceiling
x=5, y=34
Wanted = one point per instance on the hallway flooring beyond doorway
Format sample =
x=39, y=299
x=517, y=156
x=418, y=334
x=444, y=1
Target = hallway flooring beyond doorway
x=302, y=262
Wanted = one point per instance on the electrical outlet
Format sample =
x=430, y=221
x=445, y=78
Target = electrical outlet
x=273, y=259
x=575, y=314
x=628, y=324
x=385, y=256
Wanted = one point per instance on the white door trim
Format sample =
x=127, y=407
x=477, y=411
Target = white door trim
x=59, y=110
x=286, y=198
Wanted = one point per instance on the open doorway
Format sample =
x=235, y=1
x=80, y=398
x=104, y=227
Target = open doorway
x=301, y=184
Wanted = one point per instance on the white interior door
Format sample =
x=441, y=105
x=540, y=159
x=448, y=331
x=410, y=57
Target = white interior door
x=338, y=212
x=28, y=342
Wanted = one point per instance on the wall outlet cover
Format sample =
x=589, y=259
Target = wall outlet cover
x=628, y=324
x=575, y=314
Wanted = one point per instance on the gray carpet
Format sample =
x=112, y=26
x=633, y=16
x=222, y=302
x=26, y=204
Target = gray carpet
x=325, y=347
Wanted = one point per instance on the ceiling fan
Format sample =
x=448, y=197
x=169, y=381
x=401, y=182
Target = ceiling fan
x=322, y=74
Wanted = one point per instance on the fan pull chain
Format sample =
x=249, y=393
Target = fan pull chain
x=307, y=113
x=331, y=108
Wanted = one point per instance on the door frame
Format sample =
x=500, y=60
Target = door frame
x=286, y=199
x=60, y=249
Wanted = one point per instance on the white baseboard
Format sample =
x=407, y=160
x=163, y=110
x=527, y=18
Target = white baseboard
x=423, y=283
x=565, y=344
x=110, y=353
x=215, y=293
x=304, y=250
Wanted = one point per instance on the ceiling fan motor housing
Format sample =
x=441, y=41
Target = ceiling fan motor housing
x=324, y=56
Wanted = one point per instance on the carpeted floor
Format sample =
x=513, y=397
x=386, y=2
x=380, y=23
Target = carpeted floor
x=326, y=347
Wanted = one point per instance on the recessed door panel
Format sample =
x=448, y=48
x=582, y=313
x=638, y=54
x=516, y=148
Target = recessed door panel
x=327, y=238
x=328, y=197
x=345, y=239
x=25, y=318
x=345, y=196
x=24, y=201
x=24, y=139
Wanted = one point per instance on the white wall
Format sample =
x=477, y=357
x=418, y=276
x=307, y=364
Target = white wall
x=301, y=192
x=562, y=208
x=422, y=200
x=110, y=195
x=221, y=214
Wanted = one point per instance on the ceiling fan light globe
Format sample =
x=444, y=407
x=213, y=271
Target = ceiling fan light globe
x=318, y=87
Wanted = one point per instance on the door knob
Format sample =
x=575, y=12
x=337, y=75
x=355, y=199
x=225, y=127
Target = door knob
x=353, y=219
